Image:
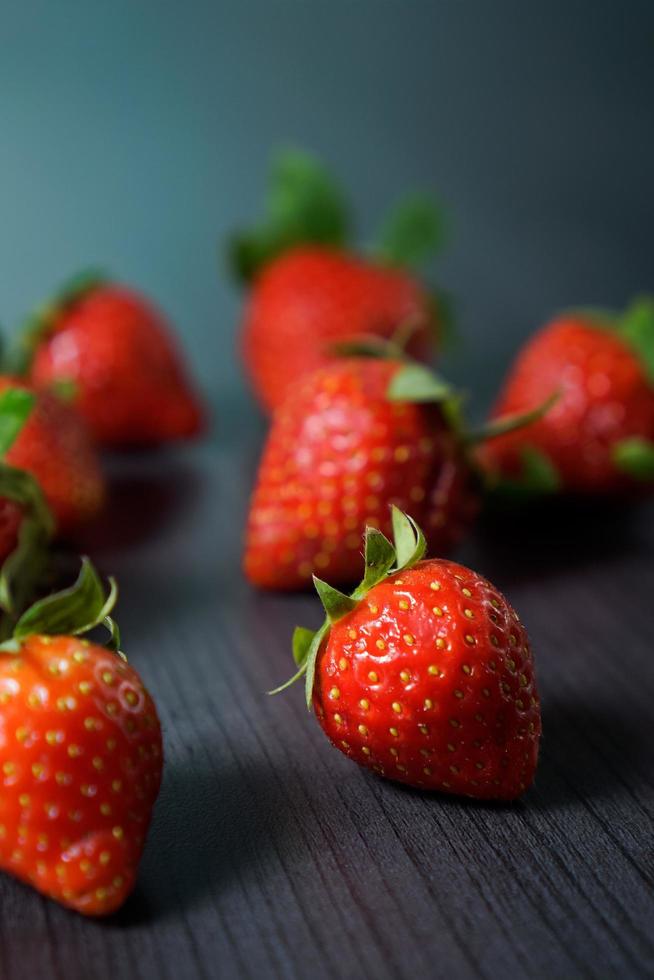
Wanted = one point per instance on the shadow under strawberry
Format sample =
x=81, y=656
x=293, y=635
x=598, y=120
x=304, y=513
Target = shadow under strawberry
x=534, y=541
x=589, y=753
x=211, y=828
x=143, y=497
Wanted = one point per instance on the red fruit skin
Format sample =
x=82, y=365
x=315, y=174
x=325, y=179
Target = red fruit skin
x=338, y=454
x=120, y=355
x=605, y=398
x=310, y=298
x=55, y=447
x=430, y=681
x=80, y=764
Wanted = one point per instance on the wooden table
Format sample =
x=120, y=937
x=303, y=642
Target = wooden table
x=273, y=855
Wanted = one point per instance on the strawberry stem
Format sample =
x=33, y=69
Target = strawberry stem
x=511, y=423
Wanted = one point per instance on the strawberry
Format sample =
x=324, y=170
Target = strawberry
x=117, y=354
x=599, y=437
x=424, y=674
x=311, y=289
x=352, y=438
x=309, y=298
x=54, y=446
x=80, y=754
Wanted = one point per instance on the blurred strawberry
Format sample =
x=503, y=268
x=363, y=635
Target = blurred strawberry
x=310, y=288
x=117, y=355
x=599, y=437
x=26, y=524
x=54, y=446
x=351, y=439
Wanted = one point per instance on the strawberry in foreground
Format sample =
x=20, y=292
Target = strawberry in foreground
x=599, y=437
x=424, y=674
x=354, y=437
x=118, y=357
x=310, y=288
x=80, y=753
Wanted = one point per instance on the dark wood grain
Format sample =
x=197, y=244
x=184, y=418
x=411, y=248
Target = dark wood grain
x=272, y=855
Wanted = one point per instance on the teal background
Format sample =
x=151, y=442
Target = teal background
x=134, y=135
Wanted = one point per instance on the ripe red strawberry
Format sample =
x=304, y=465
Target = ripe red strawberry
x=425, y=674
x=599, y=437
x=117, y=353
x=310, y=298
x=80, y=757
x=338, y=453
x=353, y=438
x=311, y=288
x=54, y=446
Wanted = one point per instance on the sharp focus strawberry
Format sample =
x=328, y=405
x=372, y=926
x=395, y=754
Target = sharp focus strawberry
x=80, y=756
x=425, y=674
x=351, y=439
x=54, y=446
x=311, y=289
x=599, y=437
x=117, y=354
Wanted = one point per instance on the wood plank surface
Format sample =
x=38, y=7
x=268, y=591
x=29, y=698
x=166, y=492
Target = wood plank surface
x=271, y=855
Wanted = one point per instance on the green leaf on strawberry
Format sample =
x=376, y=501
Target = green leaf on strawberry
x=304, y=205
x=412, y=232
x=636, y=325
x=16, y=405
x=417, y=383
x=302, y=640
x=74, y=611
x=336, y=604
x=635, y=457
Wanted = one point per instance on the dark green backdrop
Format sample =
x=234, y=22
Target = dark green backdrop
x=135, y=133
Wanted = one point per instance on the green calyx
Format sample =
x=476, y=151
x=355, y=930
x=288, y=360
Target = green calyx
x=635, y=458
x=538, y=476
x=42, y=321
x=381, y=560
x=305, y=205
x=74, y=611
x=23, y=567
x=635, y=325
x=411, y=233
